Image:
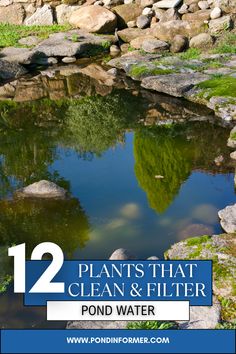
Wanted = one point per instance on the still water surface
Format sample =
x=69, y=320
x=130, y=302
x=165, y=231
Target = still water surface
x=107, y=154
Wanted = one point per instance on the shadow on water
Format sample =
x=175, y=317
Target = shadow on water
x=104, y=140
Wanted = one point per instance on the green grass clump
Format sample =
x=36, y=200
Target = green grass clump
x=233, y=136
x=227, y=44
x=140, y=70
x=191, y=53
x=11, y=34
x=5, y=282
x=223, y=86
x=152, y=325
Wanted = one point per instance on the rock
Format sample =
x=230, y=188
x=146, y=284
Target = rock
x=18, y=55
x=193, y=8
x=63, y=44
x=42, y=189
x=179, y=44
x=126, y=13
x=221, y=249
x=183, y=9
x=30, y=41
x=146, y=3
x=233, y=155
x=128, y=34
x=218, y=160
x=112, y=71
x=166, y=4
x=202, y=41
x=10, y=71
x=42, y=17
x=228, y=218
x=220, y=24
x=173, y=84
x=143, y=21
x=152, y=258
x=138, y=42
x=68, y=60
x=203, y=5
x=6, y=2
x=215, y=13
x=159, y=12
x=166, y=31
x=13, y=14
x=131, y=24
x=121, y=254
x=94, y=19
x=154, y=46
x=63, y=13
x=232, y=138
x=97, y=324
x=201, y=15
x=147, y=11
x=170, y=15
x=203, y=317
x=114, y=50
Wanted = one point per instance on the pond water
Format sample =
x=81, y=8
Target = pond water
x=110, y=152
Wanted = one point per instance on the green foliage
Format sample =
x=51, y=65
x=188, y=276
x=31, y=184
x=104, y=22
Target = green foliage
x=233, y=136
x=224, y=86
x=5, y=269
x=191, y=53
x=226, y=44
x=152, y=325
x=10, y=34
x=226, y=325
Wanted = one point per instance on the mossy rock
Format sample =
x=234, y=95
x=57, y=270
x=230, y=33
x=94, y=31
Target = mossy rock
x=222, y=250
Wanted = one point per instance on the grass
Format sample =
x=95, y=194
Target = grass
x=152, y=325
x=140, y=70
x=191, y=53
x=198, y=240
x=11, y=34
x=226, y=325
x=226, y=44
x=223, y=86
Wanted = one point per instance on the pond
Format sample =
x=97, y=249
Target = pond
x=136, y=181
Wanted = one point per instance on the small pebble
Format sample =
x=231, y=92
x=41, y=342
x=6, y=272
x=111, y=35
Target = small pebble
x=68, y=60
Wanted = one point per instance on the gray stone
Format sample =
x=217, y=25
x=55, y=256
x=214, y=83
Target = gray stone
x=143, y=21
x=153, y=258
x=167, y=4
x=147, y=11
x=203, y=317
x=220, y=24
x=30, y=41
x=179, y=44
x=112, y=71
x=233, y=155
x=202, y=40
x=97, y=324
x=42, y=16
x=63, y=13
x=63, y=45
x=17, y=55
x=69, y=60
x=114, y=50
x=215, y=13
x=170, y=15
x=10, y=71
x=173, y=84
x=183, y=10
x=42, y=189
x=121, y=254
x=154, y=46
x=228, y=218
x=203, y=5
x=232, y=141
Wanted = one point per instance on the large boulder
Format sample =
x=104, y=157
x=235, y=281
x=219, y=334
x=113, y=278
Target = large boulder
x=166, y=31
x=42, y=189
x=63, y=13
x=95, y=19
x=126, y=13
x=228, y=218
x=202, y=40
x=154, y=46
x=13, y=14
x=173, y=84
x=10, y=71
x=220, y=24
x=42, y=16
